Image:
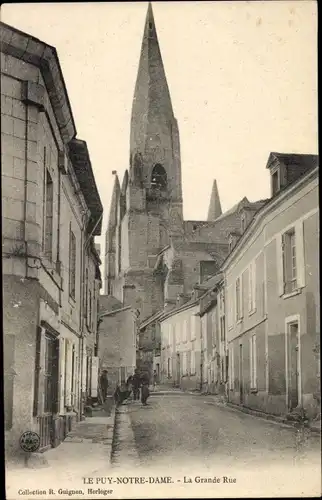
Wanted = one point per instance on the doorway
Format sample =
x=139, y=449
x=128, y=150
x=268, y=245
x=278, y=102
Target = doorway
x=241, y=385
x=293, y=365
x=178, y=370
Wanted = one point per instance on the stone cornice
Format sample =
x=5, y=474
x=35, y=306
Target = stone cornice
x=33, y=51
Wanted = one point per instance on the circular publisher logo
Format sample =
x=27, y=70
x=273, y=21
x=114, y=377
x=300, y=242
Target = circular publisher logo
x=29, y=441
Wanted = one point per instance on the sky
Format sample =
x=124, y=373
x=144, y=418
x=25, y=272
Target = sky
x=242, y=78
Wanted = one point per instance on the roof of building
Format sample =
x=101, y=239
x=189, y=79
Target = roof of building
x=211, y=282
x=270, y=203
x=109, y=303
x=29, y=49
x=309, y=160
x=115, y=311
x=80, y=159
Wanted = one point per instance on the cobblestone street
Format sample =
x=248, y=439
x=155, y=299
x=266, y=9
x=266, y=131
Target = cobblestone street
x=189, y=435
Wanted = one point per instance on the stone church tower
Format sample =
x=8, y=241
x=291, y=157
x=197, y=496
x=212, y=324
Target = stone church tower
x=146, y=210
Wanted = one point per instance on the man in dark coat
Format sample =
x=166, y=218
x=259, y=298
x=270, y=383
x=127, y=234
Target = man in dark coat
x=104, y=384
x=145, y=393
x=136, y=383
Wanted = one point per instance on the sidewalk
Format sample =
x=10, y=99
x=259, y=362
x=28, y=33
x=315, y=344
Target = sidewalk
x=85, y=452
x=314, y=426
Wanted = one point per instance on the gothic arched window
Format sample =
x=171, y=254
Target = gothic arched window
x=159, y=177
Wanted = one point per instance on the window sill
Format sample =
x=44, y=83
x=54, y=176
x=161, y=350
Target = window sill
x=254, y=391
x=252, y=311
x=292, y=294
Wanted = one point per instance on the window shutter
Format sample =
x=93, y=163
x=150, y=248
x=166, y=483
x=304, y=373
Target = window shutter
x=241, y=296
x=229, y=307
x=250, y=286
x=300, y=258
x=251, y=361
x=254, y=283
x=279, y=265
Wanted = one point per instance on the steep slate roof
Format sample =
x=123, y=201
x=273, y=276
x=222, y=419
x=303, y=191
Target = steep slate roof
x=308, y=160
x=81, y=162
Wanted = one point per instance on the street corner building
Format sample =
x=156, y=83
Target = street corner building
x=51, y=212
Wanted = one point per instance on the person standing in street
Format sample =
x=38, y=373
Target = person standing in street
x=136, y=382
x=155, y=379
x=104, y=384
x=145, y=393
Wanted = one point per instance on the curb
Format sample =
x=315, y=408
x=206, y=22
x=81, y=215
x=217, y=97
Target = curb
x=124, y=452
x=270, y=417
x=113, y=416
x=265, y=416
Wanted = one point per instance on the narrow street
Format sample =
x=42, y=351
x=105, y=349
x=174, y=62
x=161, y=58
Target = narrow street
x=187, y=435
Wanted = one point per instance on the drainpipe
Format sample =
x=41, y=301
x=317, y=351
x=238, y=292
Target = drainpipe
x=201, y=355
x=25, y=192
x=81, y=322
x=58, y=232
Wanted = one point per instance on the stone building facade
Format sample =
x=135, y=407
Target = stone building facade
x=272, y=296
x=51, y=212
x=117, y=332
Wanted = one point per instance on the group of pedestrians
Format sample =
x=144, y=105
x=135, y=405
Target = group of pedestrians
x=136, y=385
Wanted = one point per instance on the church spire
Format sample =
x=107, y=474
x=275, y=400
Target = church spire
x=214, y=207
x=151, y=97
x=112, y=221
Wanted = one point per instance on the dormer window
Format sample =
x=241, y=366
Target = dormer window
x=275, y=183
x=278, y=178
x=150, y=26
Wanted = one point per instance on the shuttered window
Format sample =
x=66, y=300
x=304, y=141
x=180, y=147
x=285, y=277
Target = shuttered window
x=72, y=264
